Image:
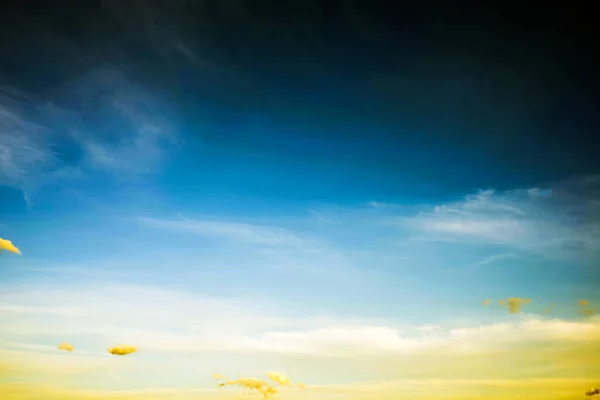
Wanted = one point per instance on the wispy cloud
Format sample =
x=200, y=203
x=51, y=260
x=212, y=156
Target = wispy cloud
x=242, y=232
x=20, y=310
x=102, y=122
x=495, y=258
x=134, y=131
x=43, y=348
x=561, y=222
x=268, y=250
x=25, y=146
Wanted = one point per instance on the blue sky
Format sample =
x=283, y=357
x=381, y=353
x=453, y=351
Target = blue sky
x=155, y=205
x=132, y=184
x=342, y=227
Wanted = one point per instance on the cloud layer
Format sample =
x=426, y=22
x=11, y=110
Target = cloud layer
x=177, y=325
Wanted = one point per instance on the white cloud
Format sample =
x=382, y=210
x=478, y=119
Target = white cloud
x=106, y=123
x=62, y=311
x=530, y=328
x=37, y=348
x=146, y=133
x=25, y=146
x=30, y=347
x=493, y=230
x=161, y=321
x=130, y=130
x=559, y=222
x=267, y=250
x=248, y=233
x=495, y=258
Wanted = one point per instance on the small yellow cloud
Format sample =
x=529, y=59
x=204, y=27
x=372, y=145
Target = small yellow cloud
x=588, y=312
x=259, y=385
x=549, y=308
x=65, y=346
x=514, y=304
x=279, y=378
x=585, y=309
x=486, y=302
x=301, y=385
x=254, y=385
x=8, y=246
x=122, y=350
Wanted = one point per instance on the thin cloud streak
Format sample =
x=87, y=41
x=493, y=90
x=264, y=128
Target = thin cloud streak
x=272, y=251
x=256, y=234
x=495, y=258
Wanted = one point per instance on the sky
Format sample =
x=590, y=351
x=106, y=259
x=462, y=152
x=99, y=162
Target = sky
x=329, y=191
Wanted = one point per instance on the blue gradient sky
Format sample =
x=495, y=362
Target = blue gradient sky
x=127, y=185
x=166, y=195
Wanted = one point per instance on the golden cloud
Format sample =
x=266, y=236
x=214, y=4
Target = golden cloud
x=584, y=308
x=8, y=246
x=514, y=304
x=65, y=346
x=279, y=378
x=259, y=385
x=486, y=302
x=253, y=384
x=122, y=350
x=588, y=312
